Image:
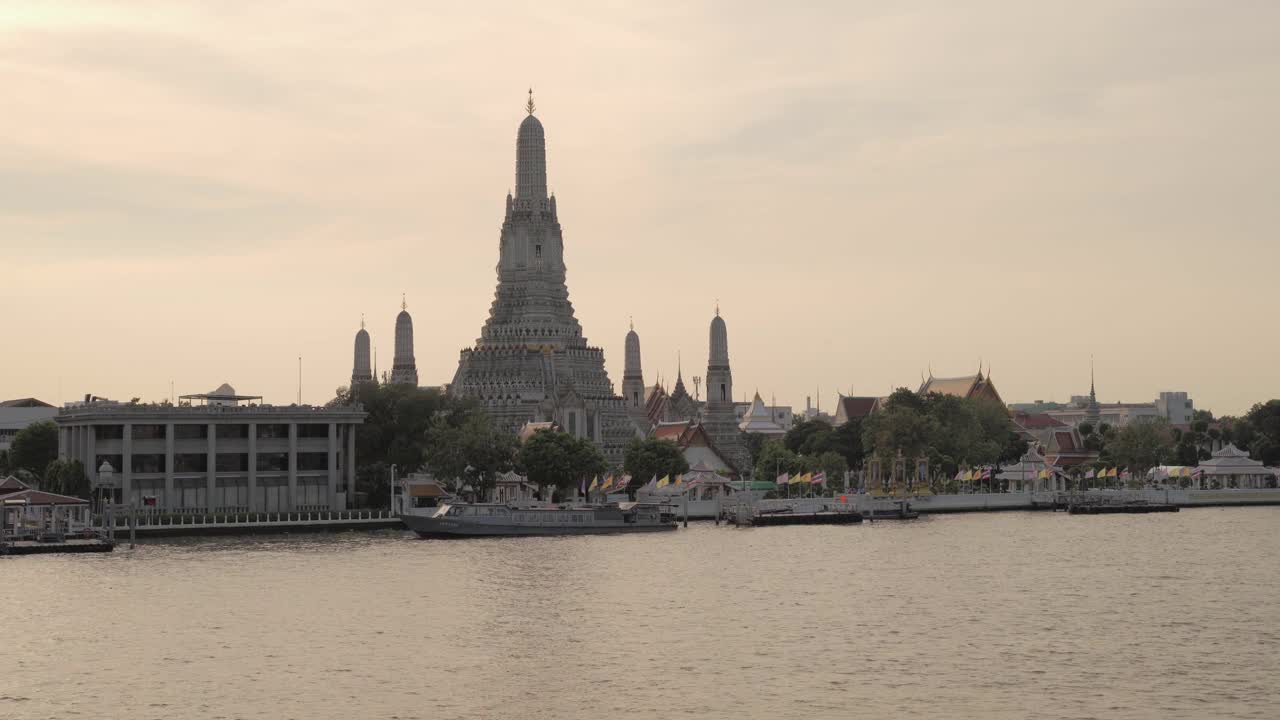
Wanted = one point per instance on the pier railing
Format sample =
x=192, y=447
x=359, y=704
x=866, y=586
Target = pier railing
x=121, y=521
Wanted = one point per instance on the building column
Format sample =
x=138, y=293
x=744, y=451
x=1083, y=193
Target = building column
x=166, y=502
x=126, y=460
x=332, y=455
x=293, y=466
x=350, y=466
x=254, y=504
x=90, y=438
x=211, y=466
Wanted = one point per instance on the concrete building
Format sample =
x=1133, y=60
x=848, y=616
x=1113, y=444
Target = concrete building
x=18, y=414
x=215, y=452
x=531, y=361
x=1175, y=407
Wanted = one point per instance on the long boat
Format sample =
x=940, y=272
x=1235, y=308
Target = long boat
x=506, y=520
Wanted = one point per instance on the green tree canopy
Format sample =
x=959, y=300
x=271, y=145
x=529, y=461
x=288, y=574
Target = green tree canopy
x=647, y=459
x=560, y=460
x=776, y=459
x=462, y=446
x=1140, y=446
x=34, y=447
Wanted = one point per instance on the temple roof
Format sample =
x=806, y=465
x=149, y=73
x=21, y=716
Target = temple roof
x=1231, y=460
x=965, y=386
x=758, y=419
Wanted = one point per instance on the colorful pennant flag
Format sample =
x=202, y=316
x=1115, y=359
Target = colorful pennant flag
x=595, y=483
x=666, y=480
x=783, y=479
x=819, y=479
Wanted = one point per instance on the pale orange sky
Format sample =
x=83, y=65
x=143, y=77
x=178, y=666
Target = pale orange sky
x=203, y=191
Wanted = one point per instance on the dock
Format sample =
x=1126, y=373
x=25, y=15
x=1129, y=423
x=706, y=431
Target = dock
x=249, y=523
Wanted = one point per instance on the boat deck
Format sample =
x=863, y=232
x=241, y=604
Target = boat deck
x=71, y=545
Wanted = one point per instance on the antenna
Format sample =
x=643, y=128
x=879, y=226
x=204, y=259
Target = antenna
x=299, y=379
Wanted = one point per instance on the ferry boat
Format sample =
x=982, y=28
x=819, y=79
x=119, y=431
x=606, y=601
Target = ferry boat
x=504, y=520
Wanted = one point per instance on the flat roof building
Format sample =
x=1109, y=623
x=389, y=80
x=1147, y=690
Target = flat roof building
x=215, y=452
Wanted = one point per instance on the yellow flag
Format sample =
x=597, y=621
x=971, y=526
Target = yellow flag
x=595, y=483
x=1112, y=473
x=679, y=480
x=664, y=481
x=608, y=483
x=968, y=475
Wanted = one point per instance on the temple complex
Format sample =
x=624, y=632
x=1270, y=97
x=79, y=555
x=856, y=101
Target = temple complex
x=531, y=361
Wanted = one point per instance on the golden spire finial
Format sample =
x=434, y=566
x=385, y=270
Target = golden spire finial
x=632, y=319
x=717, y=307
x=361, y=321
x=529, y=106
x=404, y=305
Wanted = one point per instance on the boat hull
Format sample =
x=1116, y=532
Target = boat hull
x=430, y=527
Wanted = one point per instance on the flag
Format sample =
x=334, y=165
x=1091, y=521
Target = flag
x=1111, y=473
x=623, y=483
x=595, y=483
x=652, y=484
x=608, y=483
x=959, y=476
x=1197, y=472
x=986, y=473
x=582, y=486
x=783, y=479
x=968, y=475
x=819, y=479
x=1089, y=475
x=666, y=480
x=799, y=479
x=679, y=480
x=1043, y=475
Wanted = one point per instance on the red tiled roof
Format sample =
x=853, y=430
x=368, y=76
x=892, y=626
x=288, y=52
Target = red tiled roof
x=1066, y=443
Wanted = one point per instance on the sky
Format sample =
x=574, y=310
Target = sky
x=194, y=193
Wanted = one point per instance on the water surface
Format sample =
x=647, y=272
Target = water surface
x=1002, y=615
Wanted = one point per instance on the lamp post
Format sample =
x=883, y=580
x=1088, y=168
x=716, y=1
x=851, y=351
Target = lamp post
x=391, y=499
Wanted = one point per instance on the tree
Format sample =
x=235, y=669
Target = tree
x=1140, y=446
x=1264, y=421
x=462, y=445
x=753, y=441
x=34, y=447
x=776, y=459
x=833, y=464
x=646, y=459
x=560, y=460
x=902, y=427
x=847, y=440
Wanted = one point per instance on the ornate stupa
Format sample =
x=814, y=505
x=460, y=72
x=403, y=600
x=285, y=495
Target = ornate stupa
x=531, y=362
x=404, y=369
x=718, y=417
x=362, y=368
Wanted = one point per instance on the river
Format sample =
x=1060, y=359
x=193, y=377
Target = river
x=1000, y=615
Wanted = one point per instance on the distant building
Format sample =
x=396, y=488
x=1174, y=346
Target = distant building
x=758, y=418
x=854, y=407
x=696, y=444
x=1175, y=407
x=780, y=415
x=966, y=386
x=215, y=452
x=18, y=414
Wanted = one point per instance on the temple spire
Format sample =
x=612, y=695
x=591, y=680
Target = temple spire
x=404, y=304
x=529, y=106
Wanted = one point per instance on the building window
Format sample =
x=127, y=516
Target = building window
x=148, y=432
x=191, y=462
x=108, y=432
x=188, y=431
x=313, y=430
x=723, y=395
x=232, y=462
x=147, y=462
x=537, y=251
x=313, y=461
x=273, y=430
x=273, y=462
x=238, y=431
